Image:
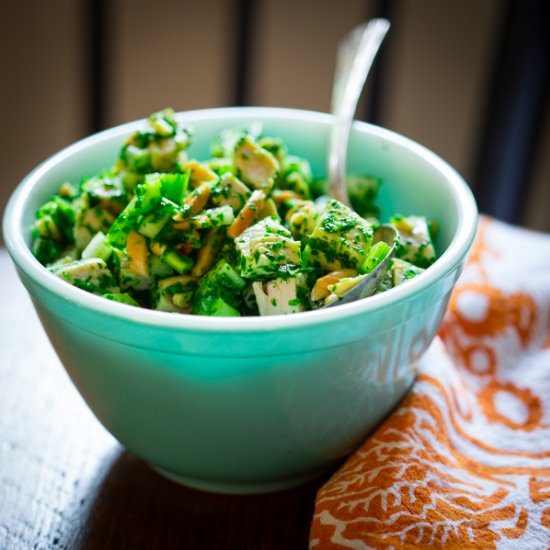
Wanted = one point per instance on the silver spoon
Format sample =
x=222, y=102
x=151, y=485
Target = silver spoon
x=356, y=55
x=367, y=286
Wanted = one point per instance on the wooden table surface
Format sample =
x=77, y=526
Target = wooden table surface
x=66, y=483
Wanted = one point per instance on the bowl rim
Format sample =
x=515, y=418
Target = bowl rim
x=27, y=263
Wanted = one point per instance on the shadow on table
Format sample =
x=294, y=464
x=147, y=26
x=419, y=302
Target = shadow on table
x=136, y=508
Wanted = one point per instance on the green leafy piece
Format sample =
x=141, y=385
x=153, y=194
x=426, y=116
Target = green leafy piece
x=45, y=250
x=215, y=306
x=302, y=217
x=127, y=278
x=296, y=176
x=158, y=147
x=276, y=146
x=178, y=262
x=175, y=186
x=213, y=217
x=107, y=190
x=154, y=222
x=225, y=143
x=362, y=191
x=376, y=254
x=126, y=221
x=89, y=220
x=219, y=291
x=136, y=159
x=149, y=194
x=158, y=268
x=55, y=220
x=163, y=123
x=122, y=298
x=175, y=294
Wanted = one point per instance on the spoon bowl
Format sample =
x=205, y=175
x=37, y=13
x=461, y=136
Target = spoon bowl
x=370, y=282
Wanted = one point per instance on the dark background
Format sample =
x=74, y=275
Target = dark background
x=468, y=79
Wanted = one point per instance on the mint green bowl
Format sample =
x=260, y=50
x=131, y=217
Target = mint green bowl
x=260, y=403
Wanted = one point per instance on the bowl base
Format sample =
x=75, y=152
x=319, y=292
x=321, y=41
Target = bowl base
x=237, y=488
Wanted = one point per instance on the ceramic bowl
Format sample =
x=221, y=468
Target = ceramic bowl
x=259, y=403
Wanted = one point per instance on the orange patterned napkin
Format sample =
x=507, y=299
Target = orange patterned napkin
x=464, y=460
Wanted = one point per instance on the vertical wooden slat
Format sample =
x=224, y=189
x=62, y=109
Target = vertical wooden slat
x=537, y=204
x=519, y=83
x=295, y=50
x=378, y=78
x=98, y=58
x=41, y=93
x=438, y=75
x=245, y=24
x=170, y=53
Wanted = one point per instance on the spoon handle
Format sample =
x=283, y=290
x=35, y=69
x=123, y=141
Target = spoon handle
x=355, y=56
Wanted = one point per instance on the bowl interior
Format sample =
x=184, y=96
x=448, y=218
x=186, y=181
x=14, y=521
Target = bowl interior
x=406, y=169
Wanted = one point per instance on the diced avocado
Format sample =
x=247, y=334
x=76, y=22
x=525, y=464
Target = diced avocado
x=340, y=238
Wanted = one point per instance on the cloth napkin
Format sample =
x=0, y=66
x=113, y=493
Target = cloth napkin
x=464, y=459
